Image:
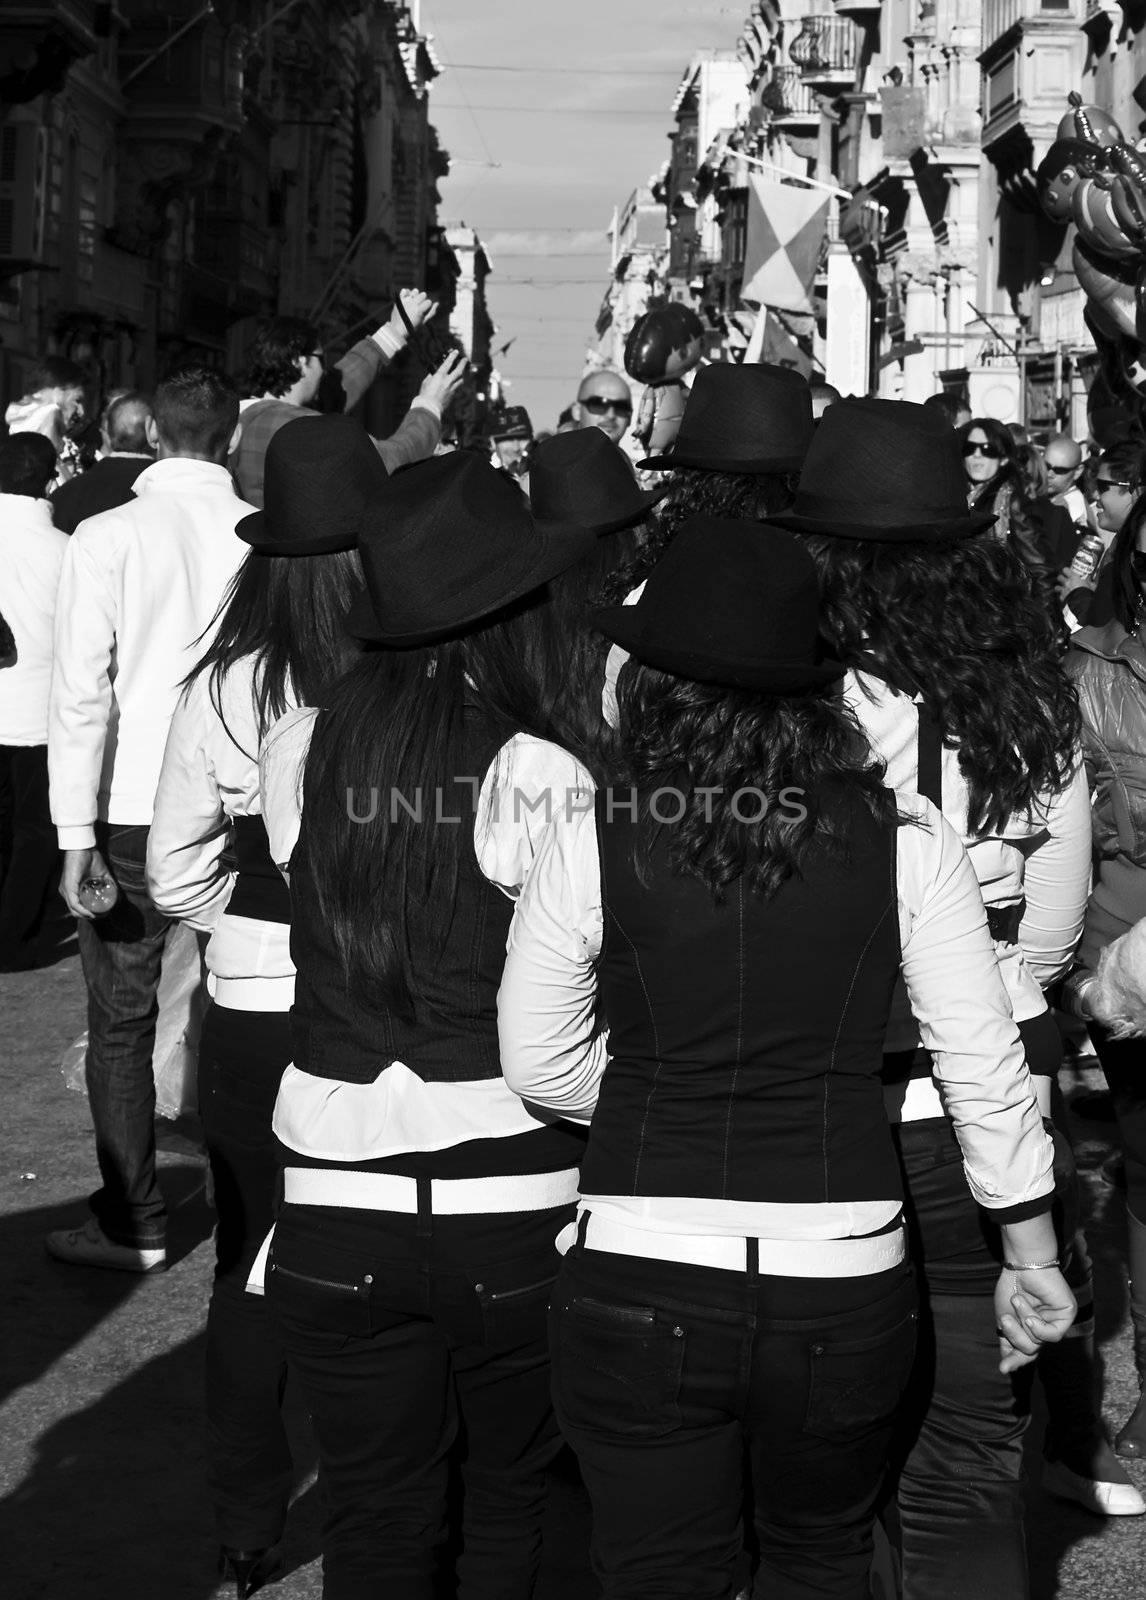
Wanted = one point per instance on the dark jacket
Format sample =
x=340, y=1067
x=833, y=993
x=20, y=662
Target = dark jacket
x=1108, y=667
x=415, y=437
x=102, y=487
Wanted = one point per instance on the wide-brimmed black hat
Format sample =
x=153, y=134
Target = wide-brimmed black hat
x=446, y=542
x=730, y=602
x=754, y=418
x=320, y=474
x=583, y=477
x=885, y=470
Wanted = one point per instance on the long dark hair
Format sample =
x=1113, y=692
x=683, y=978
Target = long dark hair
x=751, y=496
x=684, y=737
x=392, y=737
x=287, y=612
x=590, y=582
x=958, y=622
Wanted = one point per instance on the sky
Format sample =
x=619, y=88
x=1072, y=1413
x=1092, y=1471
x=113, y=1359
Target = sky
x=539, y=158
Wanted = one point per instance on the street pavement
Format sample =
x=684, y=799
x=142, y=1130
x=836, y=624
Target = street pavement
x=101, y=1433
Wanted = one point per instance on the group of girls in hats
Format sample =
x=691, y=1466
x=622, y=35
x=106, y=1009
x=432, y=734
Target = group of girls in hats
x=580, y=1118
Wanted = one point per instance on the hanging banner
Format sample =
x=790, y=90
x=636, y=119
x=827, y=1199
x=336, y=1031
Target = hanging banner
x=786, y=227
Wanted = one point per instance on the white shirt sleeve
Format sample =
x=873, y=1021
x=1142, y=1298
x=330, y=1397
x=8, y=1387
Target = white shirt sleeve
x=964, y=1015
x=282, y=761
x=189, y=829
x=1056, y=884
x=553, y=1053
x=529, y=783
x=80, y=700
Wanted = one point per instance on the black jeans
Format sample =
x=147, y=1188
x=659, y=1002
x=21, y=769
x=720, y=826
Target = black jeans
x=1124, y=1067
x=27, y=850
x=959, y=1439
x=242, y=1057
x=665, y=1374
x=404, y=1334
x=121, y=955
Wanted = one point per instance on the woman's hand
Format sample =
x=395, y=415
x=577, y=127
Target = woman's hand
x=1068, y=581
x=1031, y=1309
x=417, y=306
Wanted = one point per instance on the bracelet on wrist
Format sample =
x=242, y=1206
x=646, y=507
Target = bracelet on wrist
x=1029, y=1266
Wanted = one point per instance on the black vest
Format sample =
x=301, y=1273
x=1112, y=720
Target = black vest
x=454, y=1039
x=746, y=1038
x=260, y=890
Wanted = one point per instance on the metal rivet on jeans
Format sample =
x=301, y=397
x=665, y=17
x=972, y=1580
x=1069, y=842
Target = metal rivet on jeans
x=368, y=1279
x=678, y=1333
x=479, y=1288
x=817, y=1349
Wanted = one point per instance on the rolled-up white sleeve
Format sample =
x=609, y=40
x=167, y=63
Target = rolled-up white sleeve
x=553, y=1053
x=964, y=1018
x=186, y=874
x=1056, y=884
x=282, y=761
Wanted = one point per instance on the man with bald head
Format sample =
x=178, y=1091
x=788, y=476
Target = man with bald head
x=123, y=455
x=604, y=401
x=1062, y=458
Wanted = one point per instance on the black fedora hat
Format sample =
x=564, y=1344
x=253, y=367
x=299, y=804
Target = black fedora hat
x=321, y=472
x=749, y=418
x=886, y=470
x=730, y=602
x=583, y=477
x=447, y=542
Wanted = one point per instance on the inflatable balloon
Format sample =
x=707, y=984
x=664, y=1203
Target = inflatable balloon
x=663, y=346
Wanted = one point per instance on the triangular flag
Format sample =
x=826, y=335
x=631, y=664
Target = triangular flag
x=786, y=228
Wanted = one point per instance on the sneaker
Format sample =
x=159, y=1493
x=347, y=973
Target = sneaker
x=90, y=1246
x=1106, y=1498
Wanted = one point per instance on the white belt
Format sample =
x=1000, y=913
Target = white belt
x=449, y=1197
x=780, y=1258
x=252, y=994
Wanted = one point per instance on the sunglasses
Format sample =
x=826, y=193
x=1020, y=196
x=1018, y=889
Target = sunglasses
x=596, y=405
x=1138, y=563
x=976, y=449
x=1059, y=472
x=1103, y=484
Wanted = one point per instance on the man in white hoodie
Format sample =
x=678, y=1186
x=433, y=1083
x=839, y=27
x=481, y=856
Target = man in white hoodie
x=140, y=585
x=31, y=555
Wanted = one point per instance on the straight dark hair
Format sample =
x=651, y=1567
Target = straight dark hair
x=678, y=735
x=397, y=723
x=286, y=613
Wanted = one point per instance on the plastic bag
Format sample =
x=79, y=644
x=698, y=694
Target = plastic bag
x=1118, y=999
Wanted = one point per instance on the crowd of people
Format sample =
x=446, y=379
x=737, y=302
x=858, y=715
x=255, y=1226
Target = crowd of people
x=633, y=910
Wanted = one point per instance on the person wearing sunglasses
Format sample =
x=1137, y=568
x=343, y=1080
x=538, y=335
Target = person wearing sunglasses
x=604, y=401
x=1108, y=666
x=1062, y=460
x=1117, y=480
x=995, y=483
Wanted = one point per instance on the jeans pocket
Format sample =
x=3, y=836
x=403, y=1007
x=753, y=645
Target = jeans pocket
x=616, y=1368
x=855, y=1385
x=515, y=1313
x=330, y=1296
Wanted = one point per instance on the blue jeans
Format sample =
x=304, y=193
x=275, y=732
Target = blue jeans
x=242, y=1057
x=121, y=956
x=666, y=1377
x=412, y=1337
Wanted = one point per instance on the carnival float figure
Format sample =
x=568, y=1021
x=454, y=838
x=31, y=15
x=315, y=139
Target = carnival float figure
x=1094, y=177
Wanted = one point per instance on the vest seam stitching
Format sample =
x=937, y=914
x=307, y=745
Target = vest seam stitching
x=739, y=1036
x=836, y=1041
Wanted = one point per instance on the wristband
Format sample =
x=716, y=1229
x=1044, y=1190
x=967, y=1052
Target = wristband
x=1029, y=1266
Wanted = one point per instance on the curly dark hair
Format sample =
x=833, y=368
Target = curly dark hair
x=272, y=360
x=804, y=754
x=1127, y=597
x=754, y=496
x=958, y=622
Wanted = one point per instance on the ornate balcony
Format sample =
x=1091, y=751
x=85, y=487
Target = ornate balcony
x=825, y=50
x=790, y=100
